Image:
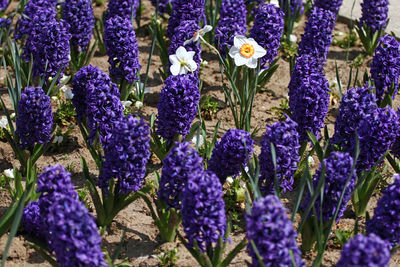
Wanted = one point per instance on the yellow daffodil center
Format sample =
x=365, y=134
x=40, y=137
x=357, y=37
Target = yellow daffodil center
x=247, y=50
x=183, y=62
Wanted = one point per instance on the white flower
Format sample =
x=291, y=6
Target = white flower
x=246, y=51
x=58, y=139
x=9, y=173
x=126, y=104
x=182, y=62
x=67, y=92
x=138, y=104
x=293, y=38
x=229, y=180
x=201, y=140
x=3, y=122
x=274, y=2
x=311, y=161
x=196, y=35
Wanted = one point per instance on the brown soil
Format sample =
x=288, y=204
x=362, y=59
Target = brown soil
x=142, y=246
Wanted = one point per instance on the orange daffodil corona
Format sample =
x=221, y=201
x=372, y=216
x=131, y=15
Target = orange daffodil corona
x=246, y=51
x=198, y=34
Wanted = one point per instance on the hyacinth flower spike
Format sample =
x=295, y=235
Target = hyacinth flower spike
x=182, y=62
x=246, y=51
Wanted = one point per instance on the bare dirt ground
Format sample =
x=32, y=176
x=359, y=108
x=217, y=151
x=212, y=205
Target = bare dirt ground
x=141, y=247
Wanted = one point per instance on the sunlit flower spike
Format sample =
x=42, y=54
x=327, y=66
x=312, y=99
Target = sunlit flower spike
x=198, y=34
x=182, y=62
x=246, y=51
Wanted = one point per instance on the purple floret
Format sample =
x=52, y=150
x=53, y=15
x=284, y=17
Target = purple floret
x=338, y=167
x=185, y=10
x=4, y=4
x=285, y=138
x=35, y=119
x=127, y=154
x=386, y=220
x=272, y=233
x=31, y=220
x=79, y=15
x=385, y=66
x=308, y=96
x=177, y=106
x=73, y=233
x=331, y=5
x=267, y=31
x=203, y=210
x=317, y=37
x=182, y=163
x=122, y=48
x=232, y=22
x=231, y=153
x=375, y=14
x=365, y=251
x=123, y=8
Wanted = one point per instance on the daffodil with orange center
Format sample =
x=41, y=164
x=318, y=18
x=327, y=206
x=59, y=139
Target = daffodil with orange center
x=246, y=51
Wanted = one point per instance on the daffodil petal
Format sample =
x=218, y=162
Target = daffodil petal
x=175, y=69
x=252, y=63
x=181, y=53
x=207, y=28
x=240, y=61
x=192, y=65
x=173, y=59
x=233, y=51
x=190, y=55
x=239, y=40
x=259, y=52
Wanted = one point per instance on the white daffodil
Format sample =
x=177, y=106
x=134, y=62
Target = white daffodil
x=196, y=35
x=274, y=2
x=246, y=51
x=182, y=62
x=3, y=123
x=67, y=92
x=9, y=173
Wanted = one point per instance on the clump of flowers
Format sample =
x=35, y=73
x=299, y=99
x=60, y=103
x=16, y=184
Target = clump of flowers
x=308, y=96
x=368, y=251
x=127, y=154
x=79, y=15
x=232, y=22
x=203, y=210
x=272, y=233
x=285, y=138
x=185, y=31
x=386, y=220
x=35, y=119
x=185, y=10
x=123, y=8
x=267, y=31
x=231, y=153
x=31, y=219
x=182, y=163
x=50, y=48
x=338, y=167
x=317, y=37
x=177, y=106
x=122, y=48
x=74, y=234
x=385, y=66
x=332, y=5
x=374, y=14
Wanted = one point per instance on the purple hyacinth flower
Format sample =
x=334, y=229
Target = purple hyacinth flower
x=177, y=106
x=331, y=5
x=73, y=233
x=162, y=5
x=267, y=31
x=375, y=14
x=4, y=4
x=127, y=154
x=122, y=48
x=365, y=251
x=386, y=220
x=296, y=7
x=231, y=154
x=35, y=119
x=338, y=167
x=232, y=22
x=203, y=210
x=385, y=66
x=285, y=138
x=185, y=10
x=317, y=37
x=5, y=23
x=272, y=233
x=79, y=15
x=182, y=163
x=31, y=220
x=308, y=96
x=123, y=8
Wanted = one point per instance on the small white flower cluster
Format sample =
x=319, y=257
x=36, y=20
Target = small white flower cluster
x=245, y=51
x=3, y=123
